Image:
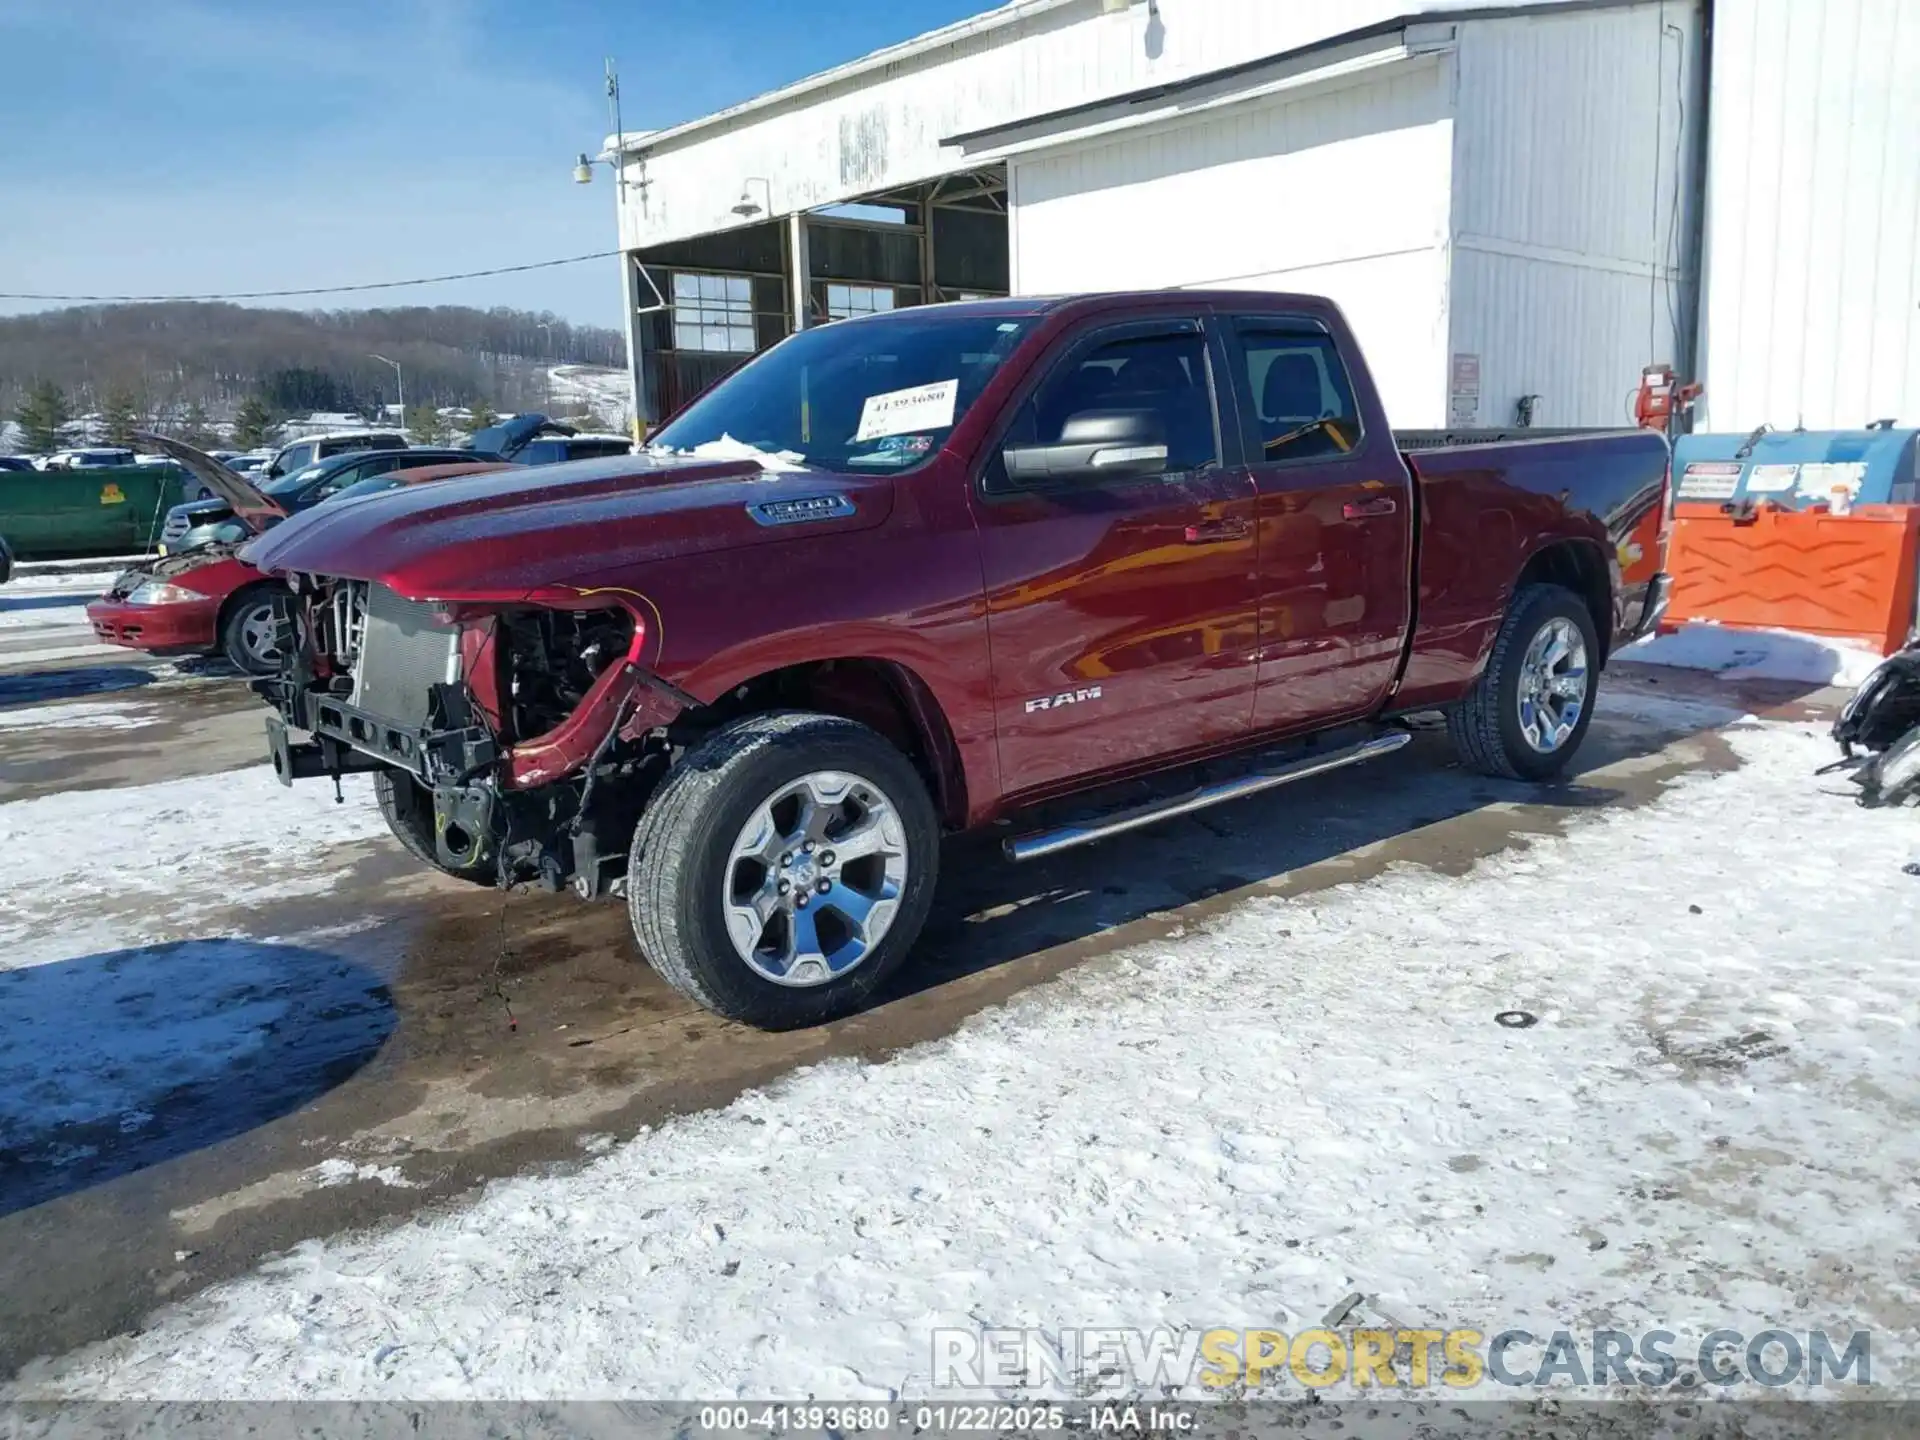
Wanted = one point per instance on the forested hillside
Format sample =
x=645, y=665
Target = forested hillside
x=166, y=358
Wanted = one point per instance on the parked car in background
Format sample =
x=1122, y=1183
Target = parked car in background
x=537, y=440
x=15, y=462
x=93, y=457
x=250, y=464
x=934, y=569
x=211, y=521
x=297, y=454
x=204, y=600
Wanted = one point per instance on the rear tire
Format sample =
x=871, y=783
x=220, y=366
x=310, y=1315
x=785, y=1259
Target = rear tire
x=246, y=629
x=408, y=810
x=742, y=828
x=1527, y=714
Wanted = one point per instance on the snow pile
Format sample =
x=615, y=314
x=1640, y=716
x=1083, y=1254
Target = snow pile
x=1759, y=654
x=774, y=462
x=331, y=1172
x=1710, y=1125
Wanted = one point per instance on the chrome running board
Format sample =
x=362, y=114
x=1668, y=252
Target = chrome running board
x=1050, y=842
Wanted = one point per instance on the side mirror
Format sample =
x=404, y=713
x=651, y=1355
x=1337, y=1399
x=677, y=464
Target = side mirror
x=1093, y=445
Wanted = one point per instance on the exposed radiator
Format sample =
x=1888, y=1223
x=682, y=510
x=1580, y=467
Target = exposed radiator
x=403, y=651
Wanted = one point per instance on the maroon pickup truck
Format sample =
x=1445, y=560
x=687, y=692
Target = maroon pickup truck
x=932, y=570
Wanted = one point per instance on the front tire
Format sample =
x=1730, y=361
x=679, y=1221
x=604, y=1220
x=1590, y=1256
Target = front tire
x=247, y=632
x=408, y=810
x=1527, y=714
x=783, y=869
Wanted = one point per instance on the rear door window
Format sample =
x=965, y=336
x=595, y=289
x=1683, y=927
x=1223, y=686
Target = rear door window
x=1296, y=395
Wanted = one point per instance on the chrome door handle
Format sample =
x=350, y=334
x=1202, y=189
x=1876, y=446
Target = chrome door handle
x=1213, y=532
x=1366, y=509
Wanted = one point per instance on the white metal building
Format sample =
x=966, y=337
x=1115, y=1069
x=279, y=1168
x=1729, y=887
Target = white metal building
x=1813, y=217
x=1515, y=203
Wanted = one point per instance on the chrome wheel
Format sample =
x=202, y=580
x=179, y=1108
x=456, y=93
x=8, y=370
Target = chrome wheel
x=257, y=637
x=1553, y=685
x=815, y=878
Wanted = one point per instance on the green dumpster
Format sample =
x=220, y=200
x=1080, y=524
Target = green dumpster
x=47, y=514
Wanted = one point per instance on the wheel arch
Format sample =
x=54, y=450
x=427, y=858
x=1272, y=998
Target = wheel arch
x=888, y=696
x=1581, y=566
x=233, y=598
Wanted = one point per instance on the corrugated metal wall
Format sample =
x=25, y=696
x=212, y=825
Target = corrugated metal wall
x=883, y=127
x=1813, y=221
x=1574, y=147
x=1343, y=193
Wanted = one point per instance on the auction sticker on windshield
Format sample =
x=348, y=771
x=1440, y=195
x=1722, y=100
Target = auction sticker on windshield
x=903, y=412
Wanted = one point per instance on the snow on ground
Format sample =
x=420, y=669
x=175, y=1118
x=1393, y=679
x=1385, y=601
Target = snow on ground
x=43, y=618
x=117, y=1035
x=94, y=716
x=134, y=1025
x=1759, y=654
x=607, y=394
x=95, y=869
x=42, y=601
x=1710, y=1124
x=27, y=581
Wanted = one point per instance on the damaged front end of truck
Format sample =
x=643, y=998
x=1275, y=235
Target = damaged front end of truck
x=520, y=734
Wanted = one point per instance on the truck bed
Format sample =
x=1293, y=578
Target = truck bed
x=1486, y=504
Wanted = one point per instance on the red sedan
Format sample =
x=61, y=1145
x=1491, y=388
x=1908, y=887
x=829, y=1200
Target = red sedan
x=206, y=601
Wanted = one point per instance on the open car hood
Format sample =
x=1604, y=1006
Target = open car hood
x=254, y=509
x=167, y=567
x=510, y=437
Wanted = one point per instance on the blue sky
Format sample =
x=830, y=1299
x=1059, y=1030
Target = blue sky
x=162, y=146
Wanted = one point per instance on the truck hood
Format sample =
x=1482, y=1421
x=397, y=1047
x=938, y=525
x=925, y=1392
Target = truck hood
x=255, y=510
x=501, y=535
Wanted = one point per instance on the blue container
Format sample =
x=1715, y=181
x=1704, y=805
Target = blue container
x=1798, y=468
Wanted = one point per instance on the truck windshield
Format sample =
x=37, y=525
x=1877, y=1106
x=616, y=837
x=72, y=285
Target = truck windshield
x=858, y=395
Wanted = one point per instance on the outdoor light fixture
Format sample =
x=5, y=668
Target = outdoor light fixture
x=748, y=206
x=583, y=170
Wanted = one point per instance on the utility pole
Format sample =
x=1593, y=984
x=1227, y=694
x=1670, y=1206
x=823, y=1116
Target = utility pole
x=546, y=367
x=399, y=387
x=629, y=296
x=629, y=290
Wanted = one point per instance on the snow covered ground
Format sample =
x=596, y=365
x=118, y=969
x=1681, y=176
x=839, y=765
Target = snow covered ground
x=85, y=868
x=1759, y=654
x=125, y=1005
x=1709, y=1124
x=43, y=619
x=607, y=394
